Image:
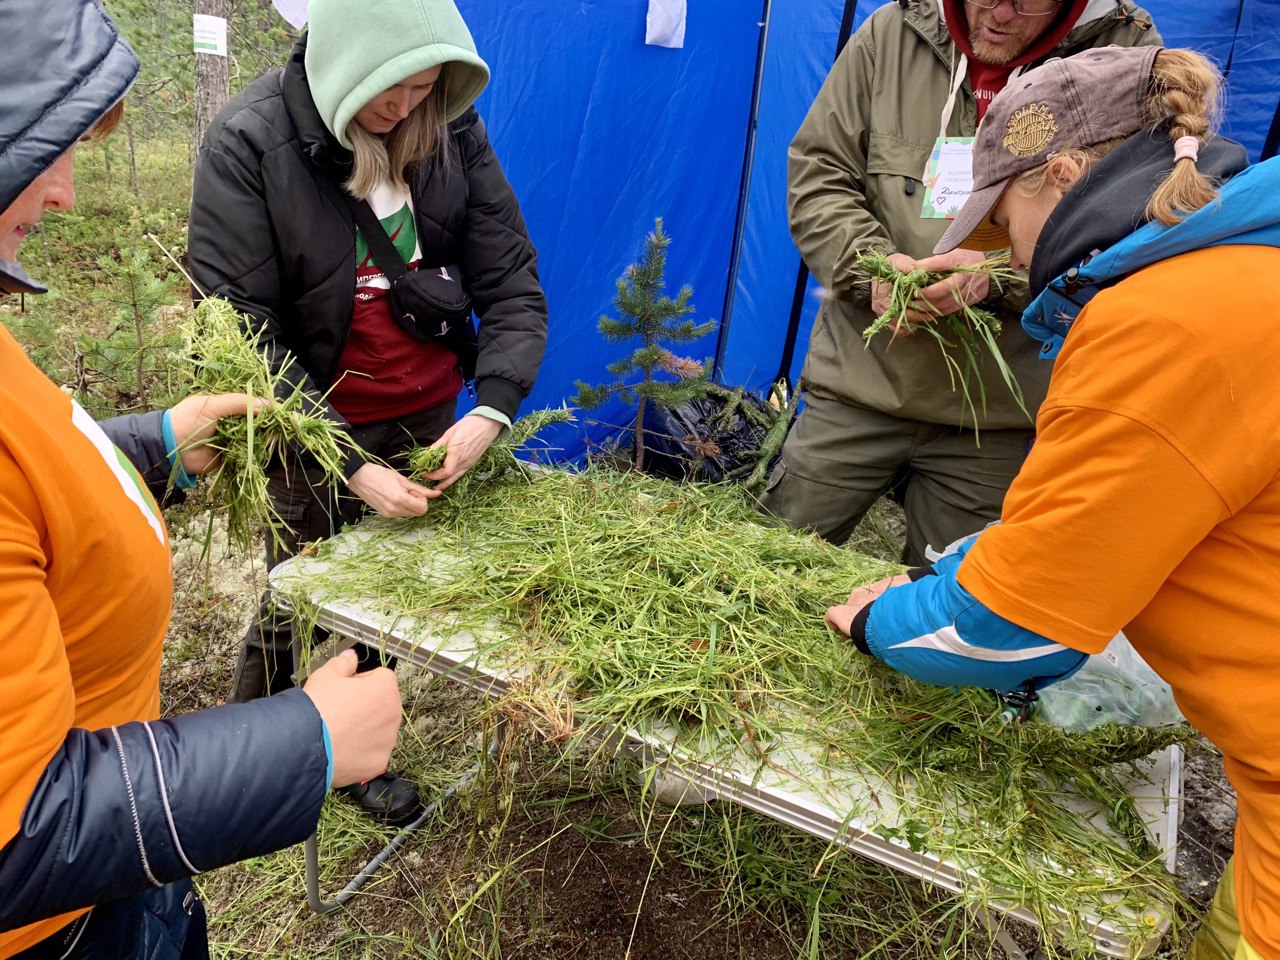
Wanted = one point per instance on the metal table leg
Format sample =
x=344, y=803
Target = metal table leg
x=311, y=846
x=379, y=860
x=999, y=935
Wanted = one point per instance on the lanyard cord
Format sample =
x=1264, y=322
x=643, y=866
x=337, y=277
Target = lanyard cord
x=961, y=72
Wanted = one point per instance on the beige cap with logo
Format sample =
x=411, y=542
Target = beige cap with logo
x=1078, y=101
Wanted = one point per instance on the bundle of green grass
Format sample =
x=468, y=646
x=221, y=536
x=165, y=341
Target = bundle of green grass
x=962, y=337
x=424, y=460
x=226, y=356
x=638, y=603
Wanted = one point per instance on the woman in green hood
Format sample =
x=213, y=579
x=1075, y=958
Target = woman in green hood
x=351, y=206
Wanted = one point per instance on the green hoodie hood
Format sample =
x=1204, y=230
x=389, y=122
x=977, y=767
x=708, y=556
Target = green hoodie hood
x=358, y=48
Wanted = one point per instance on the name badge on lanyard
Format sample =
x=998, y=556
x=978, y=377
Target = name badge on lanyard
x=948, y=178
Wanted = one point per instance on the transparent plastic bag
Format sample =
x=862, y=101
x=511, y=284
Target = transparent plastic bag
x=1115, y=686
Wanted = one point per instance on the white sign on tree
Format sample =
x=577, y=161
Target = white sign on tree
x=210, y=34
x=293, y=11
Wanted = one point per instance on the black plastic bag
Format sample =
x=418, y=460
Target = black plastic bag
x=710, y=438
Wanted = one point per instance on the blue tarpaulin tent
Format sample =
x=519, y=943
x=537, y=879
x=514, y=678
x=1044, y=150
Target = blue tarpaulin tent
x=600, y=134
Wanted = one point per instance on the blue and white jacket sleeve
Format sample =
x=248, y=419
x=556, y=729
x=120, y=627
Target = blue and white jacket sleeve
x=934, y=630
x=148, y=442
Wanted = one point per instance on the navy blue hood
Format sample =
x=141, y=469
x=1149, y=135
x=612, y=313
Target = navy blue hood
x=1110, y=201
x=65, y=65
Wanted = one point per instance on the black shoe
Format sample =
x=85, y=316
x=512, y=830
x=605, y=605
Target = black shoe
x=386, y=798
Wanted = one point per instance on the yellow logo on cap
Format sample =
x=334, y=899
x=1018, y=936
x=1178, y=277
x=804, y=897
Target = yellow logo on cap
x=1029, y=130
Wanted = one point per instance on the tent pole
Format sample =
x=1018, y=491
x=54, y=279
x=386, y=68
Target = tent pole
x=802, y=274
x=1235, y=38
x=744, y=190
x=1272, y=144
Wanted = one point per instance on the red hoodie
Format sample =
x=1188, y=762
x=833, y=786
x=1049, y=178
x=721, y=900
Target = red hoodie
x=988, y=79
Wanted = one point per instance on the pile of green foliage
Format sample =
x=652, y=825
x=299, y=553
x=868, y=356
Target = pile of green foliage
x=226, y=357
x=632, y=602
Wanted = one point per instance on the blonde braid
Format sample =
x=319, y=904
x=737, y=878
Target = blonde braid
x=1185, y=90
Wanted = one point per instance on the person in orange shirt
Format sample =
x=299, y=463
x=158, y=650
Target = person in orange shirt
x=106, y=810
x=1150, y=501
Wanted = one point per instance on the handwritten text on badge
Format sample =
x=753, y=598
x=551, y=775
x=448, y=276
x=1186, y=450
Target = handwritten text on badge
x=948, y=178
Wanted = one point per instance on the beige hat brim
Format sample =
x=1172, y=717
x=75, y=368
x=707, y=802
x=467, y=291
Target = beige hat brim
x=972, y=226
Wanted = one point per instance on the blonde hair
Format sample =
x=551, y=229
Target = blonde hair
x=1184, y=97
x=422, y=134
x=106, y=123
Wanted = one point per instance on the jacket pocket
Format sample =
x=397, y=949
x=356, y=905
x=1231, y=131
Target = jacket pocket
x=896, y=157
x=895, y=193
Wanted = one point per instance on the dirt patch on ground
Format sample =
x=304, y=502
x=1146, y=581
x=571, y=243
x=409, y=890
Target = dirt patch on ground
x=598, y=893
x=570, y=892
x=1208, y=823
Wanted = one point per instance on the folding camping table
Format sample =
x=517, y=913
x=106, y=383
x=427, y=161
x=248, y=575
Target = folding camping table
x=820, y=807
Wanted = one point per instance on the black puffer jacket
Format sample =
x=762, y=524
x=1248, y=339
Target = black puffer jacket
x=271, y=238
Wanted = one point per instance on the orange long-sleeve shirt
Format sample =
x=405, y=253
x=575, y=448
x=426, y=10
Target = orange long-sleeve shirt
x=85, y=590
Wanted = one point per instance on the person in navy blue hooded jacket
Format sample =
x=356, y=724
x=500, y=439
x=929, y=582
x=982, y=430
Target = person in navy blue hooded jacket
x=106, y=810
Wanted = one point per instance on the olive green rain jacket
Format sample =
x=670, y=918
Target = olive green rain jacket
x=855, y=171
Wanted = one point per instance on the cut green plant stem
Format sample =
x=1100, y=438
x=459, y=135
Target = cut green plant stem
x=227, y=357
x=963, y=337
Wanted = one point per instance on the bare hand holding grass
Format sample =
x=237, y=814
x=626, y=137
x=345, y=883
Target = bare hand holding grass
x=960, y=289
x=937, y=296
x=362, y=712
x=194, y=418
x=884, y=301
x=388, y=493
x=465, y=443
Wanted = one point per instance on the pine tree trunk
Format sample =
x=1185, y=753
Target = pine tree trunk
x=640, y=432
x=133, y=159
x=213, y=84
x=140, y=337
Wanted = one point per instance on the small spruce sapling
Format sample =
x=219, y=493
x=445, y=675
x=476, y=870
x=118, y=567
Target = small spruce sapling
x=137, y=347
x=646, y=313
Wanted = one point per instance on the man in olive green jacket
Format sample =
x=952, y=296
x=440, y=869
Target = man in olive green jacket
x=889, y=412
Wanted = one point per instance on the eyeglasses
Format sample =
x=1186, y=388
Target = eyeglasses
x=1025, y=8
